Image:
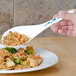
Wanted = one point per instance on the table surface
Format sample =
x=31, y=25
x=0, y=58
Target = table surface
x=64, y=47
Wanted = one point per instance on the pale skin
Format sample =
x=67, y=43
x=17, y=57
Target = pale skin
x=68, y=25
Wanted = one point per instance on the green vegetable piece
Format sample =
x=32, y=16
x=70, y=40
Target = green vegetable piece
x=29, y=51
x=23, y=63
x=12, y=50
x=16, y=60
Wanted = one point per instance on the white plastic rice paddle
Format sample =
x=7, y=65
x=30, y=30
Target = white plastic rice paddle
x=32, y=31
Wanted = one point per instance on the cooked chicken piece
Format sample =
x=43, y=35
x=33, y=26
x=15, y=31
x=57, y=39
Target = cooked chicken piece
x=33, y=62
x=29, y=48
x=10, y=63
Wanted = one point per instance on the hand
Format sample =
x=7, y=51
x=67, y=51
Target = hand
x=68, y=25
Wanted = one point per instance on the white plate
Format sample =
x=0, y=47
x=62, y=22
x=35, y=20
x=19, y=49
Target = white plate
x=49, y=59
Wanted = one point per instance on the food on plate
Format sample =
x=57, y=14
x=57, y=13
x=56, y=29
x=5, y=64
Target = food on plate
x=14, y=39
x=14, y=59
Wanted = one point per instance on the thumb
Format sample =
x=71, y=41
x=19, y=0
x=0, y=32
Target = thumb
x=65, y=15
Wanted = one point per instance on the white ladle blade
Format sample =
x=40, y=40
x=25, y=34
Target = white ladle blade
x=32, y=31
